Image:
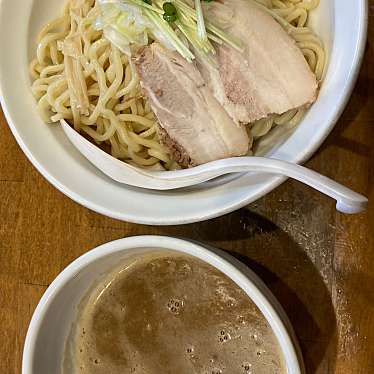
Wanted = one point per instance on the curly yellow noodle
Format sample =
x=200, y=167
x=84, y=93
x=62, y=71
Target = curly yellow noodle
x=118, y=114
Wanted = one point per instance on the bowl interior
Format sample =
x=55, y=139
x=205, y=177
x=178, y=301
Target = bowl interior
x=61, y=310
x=57, y=310
x=53, y=155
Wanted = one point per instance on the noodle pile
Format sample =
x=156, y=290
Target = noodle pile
x=81, y=77
x=117, y=114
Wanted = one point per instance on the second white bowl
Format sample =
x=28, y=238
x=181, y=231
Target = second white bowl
x=57, y=310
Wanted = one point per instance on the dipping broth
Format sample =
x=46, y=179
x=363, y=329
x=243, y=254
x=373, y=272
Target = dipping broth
x=166, y=313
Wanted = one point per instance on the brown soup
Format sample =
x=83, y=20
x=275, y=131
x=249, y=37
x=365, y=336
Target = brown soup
x=170, y=313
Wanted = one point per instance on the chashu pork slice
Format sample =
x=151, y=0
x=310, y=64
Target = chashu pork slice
x=193, y=124
x=271, y=76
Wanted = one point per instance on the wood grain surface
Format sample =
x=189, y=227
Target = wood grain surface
x=318, y=263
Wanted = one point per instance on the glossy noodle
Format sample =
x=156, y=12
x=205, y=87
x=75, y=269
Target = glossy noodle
x=80, y=77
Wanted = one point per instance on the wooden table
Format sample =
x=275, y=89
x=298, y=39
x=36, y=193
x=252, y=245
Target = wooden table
x=318, y=263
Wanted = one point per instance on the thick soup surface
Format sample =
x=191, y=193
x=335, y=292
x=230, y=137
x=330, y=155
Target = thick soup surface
x=170, y=313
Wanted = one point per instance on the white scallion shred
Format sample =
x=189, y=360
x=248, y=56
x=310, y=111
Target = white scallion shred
x=130, y=23
x=201, y=31
x=164, y=27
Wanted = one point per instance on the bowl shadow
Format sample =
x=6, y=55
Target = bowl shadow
x=357, y=109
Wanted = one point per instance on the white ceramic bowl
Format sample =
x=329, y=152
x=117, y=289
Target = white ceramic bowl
x=53, y=317
x=341, y=24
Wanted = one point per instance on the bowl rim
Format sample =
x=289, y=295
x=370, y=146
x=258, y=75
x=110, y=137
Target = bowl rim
x=232, y=204
x=242, y=275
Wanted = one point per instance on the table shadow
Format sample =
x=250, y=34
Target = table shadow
x=362, y=95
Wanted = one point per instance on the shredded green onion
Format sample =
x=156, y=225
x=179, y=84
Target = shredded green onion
x=168, y=31
x=145, y=4
x=128, y=22
x=201, y=31
x=229, y=39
